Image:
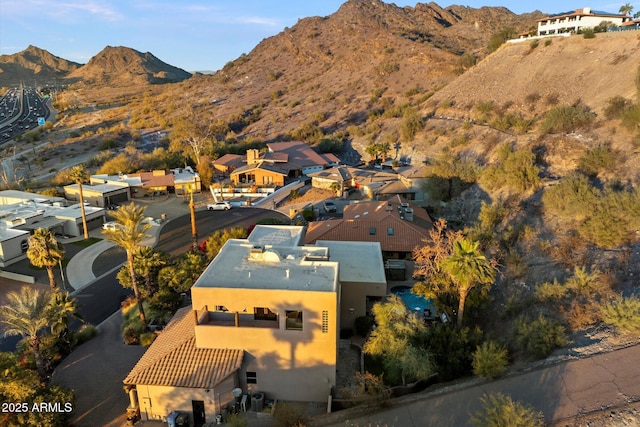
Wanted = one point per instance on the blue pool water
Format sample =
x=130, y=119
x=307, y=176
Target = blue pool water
x=412, y=301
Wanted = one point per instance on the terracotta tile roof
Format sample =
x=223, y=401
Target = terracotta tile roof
x=149, y=179
x=173, y=359
x=377, y=210
x=406, y=235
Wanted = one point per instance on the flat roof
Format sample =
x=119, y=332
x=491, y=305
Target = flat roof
x=10, y=233
x=99, y=188
x=277, y=235
x=241, y=264
x=359, y=261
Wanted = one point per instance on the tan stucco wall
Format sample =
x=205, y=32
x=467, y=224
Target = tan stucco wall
x=156, y=402
x=354, y=296
x=291, y=365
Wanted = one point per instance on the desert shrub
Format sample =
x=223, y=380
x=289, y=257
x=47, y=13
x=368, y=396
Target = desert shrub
x=452, y=350
x=485, y=107
x=532, y=98
x=534, y=44
x=500, y=410
x=552, y=99
x=490, y=360
x=515, y=169
x=588, y=33
x=369, y=388
x=547, y=42
x=566, y=118
x=467, y=60
x=623, y=314
x=499, y=38
x=616, y=106
x=294, y=194
x=596, y=160
x=631, y=117
x=523, y=125
x=331, y=145
x=581, y=316
x=411, y=125
x=386, y=68
x=539, y=337
x=550, y=291
x=584, y=283
x=572, y=198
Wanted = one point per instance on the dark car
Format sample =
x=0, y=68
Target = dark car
x=329, y=206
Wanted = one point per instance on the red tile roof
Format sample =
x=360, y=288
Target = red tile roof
x=173, y=359
x=371, y=221
x=301, y=154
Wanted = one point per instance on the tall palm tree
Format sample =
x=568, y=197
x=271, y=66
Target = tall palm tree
x=27, y=314
x=129, y=234
x=626, y=9
x=467, y=267
x=79, y=174
x=63, y=307
x=147, y=262
x=45, y=251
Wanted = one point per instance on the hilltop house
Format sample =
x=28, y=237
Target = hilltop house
x=282, y=161
x=574, y=21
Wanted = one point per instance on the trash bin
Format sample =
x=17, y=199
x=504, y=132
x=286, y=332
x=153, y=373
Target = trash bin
x=171, y=418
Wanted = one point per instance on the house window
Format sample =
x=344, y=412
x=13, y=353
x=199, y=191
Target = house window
x=221, y=308
x=294, y=320
x=325, y=322
x=263, y=313
x=252, y=378
x=372, y=231
x=390, y=231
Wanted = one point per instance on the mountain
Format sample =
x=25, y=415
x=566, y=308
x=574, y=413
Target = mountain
x=346, y=66
x=119, y=66
x=33, y=64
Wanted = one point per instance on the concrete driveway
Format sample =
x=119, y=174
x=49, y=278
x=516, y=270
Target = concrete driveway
x=95, y=371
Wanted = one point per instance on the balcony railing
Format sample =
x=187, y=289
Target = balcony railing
x=240, y=320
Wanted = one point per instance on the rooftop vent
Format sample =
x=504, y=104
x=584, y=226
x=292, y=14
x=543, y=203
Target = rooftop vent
x=408, y=214
x=256, y=252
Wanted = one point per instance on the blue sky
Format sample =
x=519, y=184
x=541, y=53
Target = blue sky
x=190, y=34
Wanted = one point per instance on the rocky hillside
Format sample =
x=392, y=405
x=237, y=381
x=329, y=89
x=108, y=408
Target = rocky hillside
x=338, y=66
x=33, y=64
x=123, y=66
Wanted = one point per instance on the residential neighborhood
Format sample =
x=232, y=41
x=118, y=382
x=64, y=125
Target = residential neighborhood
x=386, y=216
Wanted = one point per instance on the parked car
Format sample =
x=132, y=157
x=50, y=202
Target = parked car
x=111, y=225
x=219, y=206
x=329, y=206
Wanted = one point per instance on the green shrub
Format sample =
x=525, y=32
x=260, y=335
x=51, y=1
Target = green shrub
x=550, y=291
x=499, y=38
x=485, y=107
x=588, y=33
x=500, y=410
x=294, y=194
x=631, y=117
x=547, y=42
x=566, y=118
x=237, y=420
x=452, y=350
x=308, y=215
x=572, y=198
x=539, y=337
x=534, y=44
x=514, y=169
x=85, y=333
x=623, y=314
x=490, y=360
x=596, y=160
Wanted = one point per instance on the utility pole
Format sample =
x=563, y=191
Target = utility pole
x=194, y=231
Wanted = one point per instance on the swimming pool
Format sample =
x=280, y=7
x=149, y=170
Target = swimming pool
x=412, y=301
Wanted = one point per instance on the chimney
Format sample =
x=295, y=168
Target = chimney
x=253, y=156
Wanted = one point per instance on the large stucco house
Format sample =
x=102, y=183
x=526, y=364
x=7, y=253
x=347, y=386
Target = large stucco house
x=576, y=20
x=264, y=320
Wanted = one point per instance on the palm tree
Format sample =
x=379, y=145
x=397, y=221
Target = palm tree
x=467, y=267
x=129, y=236
x=626, y=9
x=45, y=251
x=63, y=307
x=79, y=174
x=147, y=262
x=27, y=314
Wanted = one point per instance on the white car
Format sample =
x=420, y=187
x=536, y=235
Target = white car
x=219, y=206
x=111, y=225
